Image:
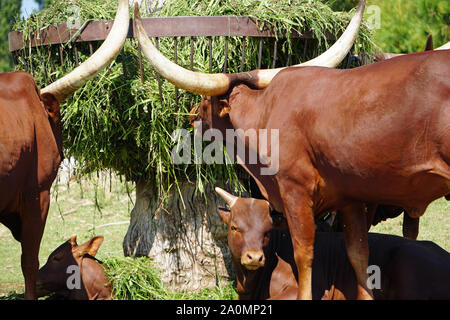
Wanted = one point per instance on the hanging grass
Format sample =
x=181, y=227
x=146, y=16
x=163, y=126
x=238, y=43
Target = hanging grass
x=117, y=122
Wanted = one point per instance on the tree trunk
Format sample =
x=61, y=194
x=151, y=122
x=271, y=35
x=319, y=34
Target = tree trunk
x=188, y=243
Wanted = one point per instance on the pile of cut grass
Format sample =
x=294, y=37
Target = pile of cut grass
x=116, y=122
x=138, y=279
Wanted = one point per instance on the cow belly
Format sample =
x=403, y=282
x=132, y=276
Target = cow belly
x=411, y=190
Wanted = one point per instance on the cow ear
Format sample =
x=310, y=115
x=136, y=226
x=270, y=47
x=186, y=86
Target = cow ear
x=93, y=245
x=51, y=105
x=224, y=108
x=225, y=215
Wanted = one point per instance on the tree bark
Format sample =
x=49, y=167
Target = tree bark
x=187, y=242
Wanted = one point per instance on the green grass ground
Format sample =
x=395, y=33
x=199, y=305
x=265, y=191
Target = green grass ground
x=90, y=208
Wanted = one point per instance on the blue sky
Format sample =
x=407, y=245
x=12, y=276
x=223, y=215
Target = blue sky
x=28, y=6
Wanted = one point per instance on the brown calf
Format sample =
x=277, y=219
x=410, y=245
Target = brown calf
x=70, y=261
x=263, y=259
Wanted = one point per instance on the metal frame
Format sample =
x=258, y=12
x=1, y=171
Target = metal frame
x=230, y=26
x=216, y=26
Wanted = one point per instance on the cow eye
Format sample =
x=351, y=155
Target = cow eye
x=57, y=257
x=233, y=228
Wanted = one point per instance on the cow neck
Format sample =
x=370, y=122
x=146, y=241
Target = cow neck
x=255, y=284
x=91, y=295
x=246, y=113
x=248, y=282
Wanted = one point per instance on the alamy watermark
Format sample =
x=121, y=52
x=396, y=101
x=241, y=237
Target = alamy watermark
x=74, y=17
x=253, y=147
x=373, y=17
x=374, y=279
x=74, y=279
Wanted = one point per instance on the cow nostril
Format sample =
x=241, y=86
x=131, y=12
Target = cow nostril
x=260, y=258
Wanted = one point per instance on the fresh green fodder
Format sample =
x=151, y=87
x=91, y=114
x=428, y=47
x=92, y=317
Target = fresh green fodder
x=139, y=279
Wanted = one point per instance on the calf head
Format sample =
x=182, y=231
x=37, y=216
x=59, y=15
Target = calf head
x=249, y=224
x=64, y=262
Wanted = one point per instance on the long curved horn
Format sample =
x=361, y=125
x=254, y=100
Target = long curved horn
x=217, y=84
x=108, y=51
x=444, y=47
x=330, y=58
x=227, y=197
x=197, y=82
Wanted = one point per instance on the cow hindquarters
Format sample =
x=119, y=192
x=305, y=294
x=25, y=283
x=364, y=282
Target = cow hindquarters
x=33, y=216
x=355, y=235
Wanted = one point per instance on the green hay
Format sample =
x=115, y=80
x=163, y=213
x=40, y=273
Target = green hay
x=139, y=279
x=119, y=123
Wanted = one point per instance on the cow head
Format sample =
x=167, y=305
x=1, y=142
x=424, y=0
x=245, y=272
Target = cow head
x=218, y=86
x=249, y=224
x=64, y=262
x=52, y=107
x=213, y=112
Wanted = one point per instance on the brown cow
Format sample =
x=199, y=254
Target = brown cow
x=31, y=147
x=70, y=260
x=374, y=134
x=262, y=254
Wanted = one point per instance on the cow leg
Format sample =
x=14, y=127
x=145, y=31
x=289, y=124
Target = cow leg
x=371, y=210
x=300, y=218
x=410, y=227
x=32, y=229
x=355, y=235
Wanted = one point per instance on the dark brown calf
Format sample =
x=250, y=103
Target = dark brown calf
x=408, y=269
x=73, y=272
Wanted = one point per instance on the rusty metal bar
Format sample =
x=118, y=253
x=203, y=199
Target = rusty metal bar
x=75, y=50
x=45, y=70
x=192, y=53
x=210, y=53
x=274, y=59
x=191, y=65
x=304, y=49
x=175, y=60
x=155, y=27
x=124, y=68
x=225, y=63
x=243, y=55
x=52, y=64
x=158, y=77
x=14, y=56
x=141, y=71
x=260, y=52
x=61, y=57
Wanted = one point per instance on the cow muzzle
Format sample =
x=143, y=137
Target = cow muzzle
x=253, y=259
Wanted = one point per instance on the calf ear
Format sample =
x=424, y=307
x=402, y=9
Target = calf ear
x=73, y=240
x=224, y=108
x=93, y=245
x=224, y=215
x=51, y=105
